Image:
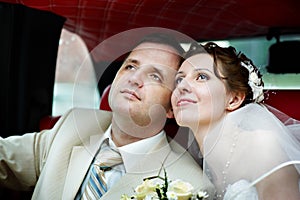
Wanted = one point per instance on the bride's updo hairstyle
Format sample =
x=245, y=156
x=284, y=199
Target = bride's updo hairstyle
x=234, y=68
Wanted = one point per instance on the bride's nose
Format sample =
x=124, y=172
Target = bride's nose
x=183, y=86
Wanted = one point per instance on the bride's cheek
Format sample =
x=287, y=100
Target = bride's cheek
x=173, y=100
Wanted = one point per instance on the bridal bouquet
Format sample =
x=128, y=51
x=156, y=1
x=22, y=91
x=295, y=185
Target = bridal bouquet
x=159, y=188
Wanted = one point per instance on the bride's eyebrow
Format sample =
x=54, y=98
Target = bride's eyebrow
x=179, y=72
x=202, y=69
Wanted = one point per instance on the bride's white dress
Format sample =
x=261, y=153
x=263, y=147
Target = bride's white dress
x=241, y=190
x=245, y=148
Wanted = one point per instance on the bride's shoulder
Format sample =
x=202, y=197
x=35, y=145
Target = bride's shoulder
x=261, y=138
x=241, y=189
x=260, y=145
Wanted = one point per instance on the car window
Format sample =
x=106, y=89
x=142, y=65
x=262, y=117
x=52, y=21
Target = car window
x=75, y=80
x=257, y=49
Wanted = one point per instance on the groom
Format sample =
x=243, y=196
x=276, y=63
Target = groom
x=58, y=162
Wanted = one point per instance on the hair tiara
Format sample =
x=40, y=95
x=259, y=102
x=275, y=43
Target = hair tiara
x=254, y=82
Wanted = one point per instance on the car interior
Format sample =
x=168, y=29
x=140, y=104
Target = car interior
x=48, y=48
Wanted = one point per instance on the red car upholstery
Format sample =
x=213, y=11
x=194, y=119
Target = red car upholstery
x=287, y=101
x=48, y=122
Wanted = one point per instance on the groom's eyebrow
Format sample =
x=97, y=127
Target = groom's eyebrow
x=130, y=60
x=157, y=70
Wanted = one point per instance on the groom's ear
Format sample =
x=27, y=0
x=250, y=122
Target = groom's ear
x=170, y=113
x=235, y=100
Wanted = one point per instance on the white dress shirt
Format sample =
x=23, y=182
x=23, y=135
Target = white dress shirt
x=130, y=153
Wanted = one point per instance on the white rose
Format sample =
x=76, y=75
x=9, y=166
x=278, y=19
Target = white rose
x=172, y=195
x=147, y=188
x=182, y=189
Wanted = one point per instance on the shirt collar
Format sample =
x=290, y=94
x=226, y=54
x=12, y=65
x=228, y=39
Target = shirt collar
x=132, y=153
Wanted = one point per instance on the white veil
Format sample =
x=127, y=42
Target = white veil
x=290, y=123
x=249, y=144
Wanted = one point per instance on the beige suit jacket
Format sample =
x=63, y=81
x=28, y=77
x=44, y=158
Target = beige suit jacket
x=54, y=162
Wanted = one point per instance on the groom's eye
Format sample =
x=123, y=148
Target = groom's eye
x=155, y=77
x=130, y=67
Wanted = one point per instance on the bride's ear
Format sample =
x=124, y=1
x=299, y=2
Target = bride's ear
x=235, y=101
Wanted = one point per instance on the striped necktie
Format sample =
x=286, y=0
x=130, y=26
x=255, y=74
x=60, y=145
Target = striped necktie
x=107, y=158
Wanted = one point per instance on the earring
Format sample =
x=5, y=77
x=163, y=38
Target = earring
x=230, y=108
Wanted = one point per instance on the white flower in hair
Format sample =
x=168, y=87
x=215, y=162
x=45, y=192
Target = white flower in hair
x=254, y=78
x=254, y=82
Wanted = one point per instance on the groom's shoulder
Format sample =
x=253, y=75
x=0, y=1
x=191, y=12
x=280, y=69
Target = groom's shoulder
x=87, y=113
x=79, y=110
x=84, y=117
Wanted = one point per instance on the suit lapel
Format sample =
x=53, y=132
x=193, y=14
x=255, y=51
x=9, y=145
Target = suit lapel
x=80, y=161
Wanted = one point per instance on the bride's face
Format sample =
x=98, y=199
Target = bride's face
x=200, y=97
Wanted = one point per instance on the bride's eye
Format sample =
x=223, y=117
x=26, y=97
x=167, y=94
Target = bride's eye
x=178, y=80
x=202, y=76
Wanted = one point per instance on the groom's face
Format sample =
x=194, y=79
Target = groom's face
x=143, y=86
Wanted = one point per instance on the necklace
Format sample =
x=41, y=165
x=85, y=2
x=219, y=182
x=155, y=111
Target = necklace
x=227, y=165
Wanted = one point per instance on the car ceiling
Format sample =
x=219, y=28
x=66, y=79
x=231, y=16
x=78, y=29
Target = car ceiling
x=96, y=20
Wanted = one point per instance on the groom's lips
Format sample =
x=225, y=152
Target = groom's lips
x=131, y=94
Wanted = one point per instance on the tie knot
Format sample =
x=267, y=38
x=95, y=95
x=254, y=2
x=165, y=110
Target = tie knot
x=108, y=156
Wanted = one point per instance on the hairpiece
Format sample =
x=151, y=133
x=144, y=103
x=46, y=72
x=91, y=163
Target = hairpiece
x=254, y=82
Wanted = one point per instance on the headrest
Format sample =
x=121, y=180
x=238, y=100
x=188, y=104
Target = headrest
x=104, y=105
x=283, y=57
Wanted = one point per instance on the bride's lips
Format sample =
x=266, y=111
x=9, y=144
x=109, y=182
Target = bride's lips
x=185, y=101
x=131, y=94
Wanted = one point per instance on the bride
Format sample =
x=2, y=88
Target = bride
x=248, y=153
